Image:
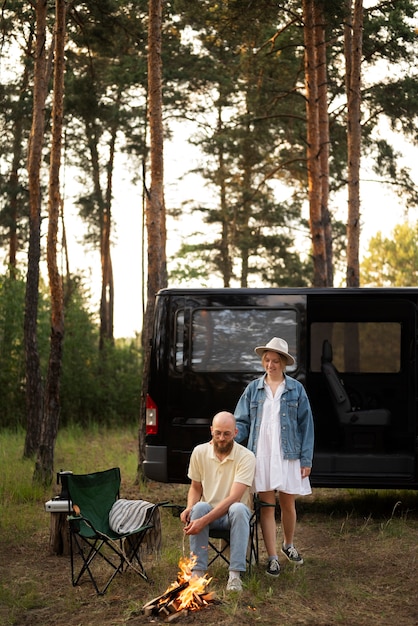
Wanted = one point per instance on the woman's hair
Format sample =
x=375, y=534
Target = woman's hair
x=281, y=357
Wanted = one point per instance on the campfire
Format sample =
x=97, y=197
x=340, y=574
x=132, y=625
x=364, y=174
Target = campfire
x=188, y=593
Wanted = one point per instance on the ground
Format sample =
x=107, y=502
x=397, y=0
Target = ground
x=361, y=566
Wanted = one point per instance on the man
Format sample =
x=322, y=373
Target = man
x=221, y=473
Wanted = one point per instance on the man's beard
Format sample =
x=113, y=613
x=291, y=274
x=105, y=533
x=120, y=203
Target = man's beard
x=223, y=448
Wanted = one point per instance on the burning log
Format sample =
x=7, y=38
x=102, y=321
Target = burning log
x=174, y=616
x=165, y=598
x=188, y=593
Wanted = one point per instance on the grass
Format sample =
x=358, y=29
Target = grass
x=360, y=549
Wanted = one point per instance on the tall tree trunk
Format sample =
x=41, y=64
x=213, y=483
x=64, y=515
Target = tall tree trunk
x=324, y=141
x=104, y=205
x=104, y=213
x=244, y=239
x=107, y=293
x=107, y=296
x=353, y=53
x=225, y=248
x=33, y=369
x=67, y=283
x=313, y=149
x=225, y=254
x=49, y=428
x=155, y=208
x=17, y=150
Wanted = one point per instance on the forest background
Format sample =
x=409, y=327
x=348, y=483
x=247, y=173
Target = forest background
x=285, y=103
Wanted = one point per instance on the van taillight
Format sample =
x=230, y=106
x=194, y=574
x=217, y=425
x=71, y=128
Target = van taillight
x=151, y=419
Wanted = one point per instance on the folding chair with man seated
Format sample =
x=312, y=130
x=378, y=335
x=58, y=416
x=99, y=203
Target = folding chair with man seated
x=92, y=500
x=221, y=547
x=221, y=550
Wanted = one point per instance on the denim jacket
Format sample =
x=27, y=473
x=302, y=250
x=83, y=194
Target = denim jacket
x=296, y=421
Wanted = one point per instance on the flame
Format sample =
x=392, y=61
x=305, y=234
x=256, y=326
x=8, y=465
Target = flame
x=186, y=566
x=189, y=597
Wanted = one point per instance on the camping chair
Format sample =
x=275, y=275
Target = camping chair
x=219, y=541
x=92, y=497
x=221, y=549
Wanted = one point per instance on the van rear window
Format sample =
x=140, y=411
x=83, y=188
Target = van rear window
x=224, y=339
x=358, y=347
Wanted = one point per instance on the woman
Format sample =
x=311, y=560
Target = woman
x=275, y=416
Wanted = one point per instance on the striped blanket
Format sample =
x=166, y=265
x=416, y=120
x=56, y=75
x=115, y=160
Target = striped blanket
x=127, y=516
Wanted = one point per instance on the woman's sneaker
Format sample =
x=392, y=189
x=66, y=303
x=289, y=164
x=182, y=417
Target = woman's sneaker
x=273, y=567
x=292, y=555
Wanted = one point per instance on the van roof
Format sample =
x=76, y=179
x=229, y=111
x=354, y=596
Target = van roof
x=289, y=290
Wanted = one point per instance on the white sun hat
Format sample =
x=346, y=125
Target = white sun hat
x=276, y=345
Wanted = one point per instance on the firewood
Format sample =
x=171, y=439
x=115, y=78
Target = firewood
x=166, y=596
x=208, y=597
x=167, y=605
x=148, y=611
x=197, y=599
x=164, y=611
x=173, y=605
x=174, y=616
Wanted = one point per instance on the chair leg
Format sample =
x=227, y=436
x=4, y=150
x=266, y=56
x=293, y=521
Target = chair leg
x=219, y=552
x=132, y=555
x=252, y=552
x=88, y=551
x=254, y=533
x=253, y=543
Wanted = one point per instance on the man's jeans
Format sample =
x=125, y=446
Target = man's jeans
x=237, y=520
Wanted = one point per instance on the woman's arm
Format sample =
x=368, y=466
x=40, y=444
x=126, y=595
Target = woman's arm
x=242, y=417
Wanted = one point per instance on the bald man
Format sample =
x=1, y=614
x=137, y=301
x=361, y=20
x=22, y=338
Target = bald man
x=221, y=473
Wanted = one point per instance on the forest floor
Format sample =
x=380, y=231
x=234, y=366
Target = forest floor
x=361, y=569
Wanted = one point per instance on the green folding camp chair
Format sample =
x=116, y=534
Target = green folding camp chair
x=92, y=497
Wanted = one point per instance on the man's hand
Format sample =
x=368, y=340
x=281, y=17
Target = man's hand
x=195, y=527
x=185, y=516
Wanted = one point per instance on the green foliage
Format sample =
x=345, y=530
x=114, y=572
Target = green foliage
x=234, y=68
x=106, y=390
x=392, y=262
x=252, y=135
x=96, y=387
x=12, y=350
x=250, y=108
x=191, y=264
x=12, y=367
x=16, y=472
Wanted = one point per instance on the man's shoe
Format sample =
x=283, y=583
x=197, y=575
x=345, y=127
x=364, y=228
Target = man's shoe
x=198, y=573
x=234, y=584
x=273, y=567
x=292, y=555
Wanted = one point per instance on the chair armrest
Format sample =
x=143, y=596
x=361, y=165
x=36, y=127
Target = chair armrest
x=177, y=509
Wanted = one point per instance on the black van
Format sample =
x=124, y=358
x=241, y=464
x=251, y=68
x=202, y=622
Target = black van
x=356, y=355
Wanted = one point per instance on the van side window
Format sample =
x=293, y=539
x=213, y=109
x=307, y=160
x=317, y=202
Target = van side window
x=224, y=339
x=358, y=347
x=179, y=335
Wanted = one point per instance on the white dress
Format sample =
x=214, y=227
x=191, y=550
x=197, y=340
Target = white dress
x=273, y=472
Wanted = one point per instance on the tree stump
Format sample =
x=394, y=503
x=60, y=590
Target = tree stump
x=59, y=535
